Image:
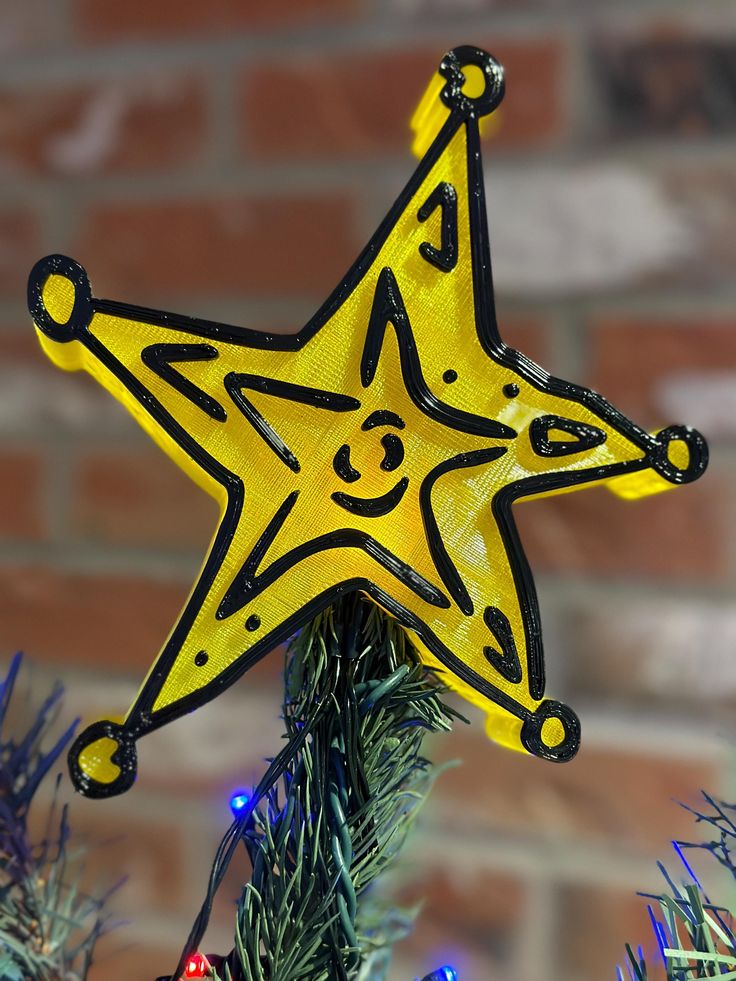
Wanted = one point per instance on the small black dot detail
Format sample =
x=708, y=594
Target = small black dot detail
x=253, y=623
x=511, y=390
x=201, y=659
x=450, y=376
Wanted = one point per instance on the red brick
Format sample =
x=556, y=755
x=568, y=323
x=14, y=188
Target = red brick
x=526, y=333
x=19, y=249
x=595, y=925
x=471, y=897
x=139, y=497
x=665, y=652
x=110, y=621
x=271, y=246
x=21, y=493
x=704, y=194
x=676, y=535
x=120, y=125
x=621, y=798
x=635, y=360
x=318, y=106
x=665, y=83
x=27, y=27
x=19, y=343
x=148, y=852
x=100, y=20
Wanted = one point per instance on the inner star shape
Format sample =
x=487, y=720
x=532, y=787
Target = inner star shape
x=379, y=449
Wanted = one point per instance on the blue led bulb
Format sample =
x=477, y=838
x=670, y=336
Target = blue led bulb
x=445, y=973
x=238, y=801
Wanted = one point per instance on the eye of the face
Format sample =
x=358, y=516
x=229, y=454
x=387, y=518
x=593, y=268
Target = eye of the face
x=556, y=436
x=393, y=449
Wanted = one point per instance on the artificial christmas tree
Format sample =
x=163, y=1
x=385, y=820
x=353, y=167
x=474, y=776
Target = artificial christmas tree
x=356, y=546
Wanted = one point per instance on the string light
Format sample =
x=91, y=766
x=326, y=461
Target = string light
x=239, y=801
x=197, y=967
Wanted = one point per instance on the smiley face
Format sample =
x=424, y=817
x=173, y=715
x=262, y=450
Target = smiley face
x=393, y=457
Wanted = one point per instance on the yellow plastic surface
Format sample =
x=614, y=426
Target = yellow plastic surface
x=440, y=307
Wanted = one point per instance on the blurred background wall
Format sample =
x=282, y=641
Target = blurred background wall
x=228, y=159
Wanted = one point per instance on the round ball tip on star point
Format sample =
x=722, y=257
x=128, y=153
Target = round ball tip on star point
x=103, y=760
x=681, y=454
x=59, y=297
x=551, y=732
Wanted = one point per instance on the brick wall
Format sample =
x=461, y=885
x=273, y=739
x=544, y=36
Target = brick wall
x=162, y=142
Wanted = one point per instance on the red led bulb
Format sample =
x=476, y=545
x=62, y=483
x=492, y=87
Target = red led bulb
x=197, y=967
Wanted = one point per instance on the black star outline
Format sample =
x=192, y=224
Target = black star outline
x=388, y=309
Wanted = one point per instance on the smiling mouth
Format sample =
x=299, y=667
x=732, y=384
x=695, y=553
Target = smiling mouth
x=372, y=507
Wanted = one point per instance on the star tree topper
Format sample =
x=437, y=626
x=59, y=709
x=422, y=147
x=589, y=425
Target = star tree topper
x=379, y=449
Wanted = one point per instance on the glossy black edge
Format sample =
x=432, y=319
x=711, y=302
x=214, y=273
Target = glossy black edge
x=388, y=308
x=586, y=437
x=261, y=425
x=506, y=660
x=159, y=357
x=237, y=382
x=140, y=717
x=531, y=732
x=82, y=309
x=318, y=398
x=248, y=583
x=451, y=69
x=372, y=507
x=697, y=448
x=124, y=757
x=518, y=563
x=140, y=714
x=488, y=335
x=443, y=196
x=342, y=466
x=142, y=721
x=440, y=556
x=383, y=417
x=393, y=452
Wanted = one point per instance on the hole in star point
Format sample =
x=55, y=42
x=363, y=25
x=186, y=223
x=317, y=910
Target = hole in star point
x=475, y=82
x=253, y=623
x=511, y=390
x=678, y=453
x=201, y=658
x=553, y=732
x=449, y=376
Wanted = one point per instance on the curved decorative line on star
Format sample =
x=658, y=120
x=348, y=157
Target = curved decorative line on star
x=248, y=583
x=383, y=417
x=443, y=563
x=388, y=307
x=586, y=437
x=518, y=562
x=506, y=661
x=372, y=507
x=443, y=196
x=342, y=466
x=158, y=357
x=393, y=449
x=318, y=398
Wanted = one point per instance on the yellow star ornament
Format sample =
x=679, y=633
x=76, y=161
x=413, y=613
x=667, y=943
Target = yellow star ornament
x=379, y=449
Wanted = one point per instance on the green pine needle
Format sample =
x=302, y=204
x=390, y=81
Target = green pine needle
x=696, y=938
x=338, y=817
x=48, y=925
